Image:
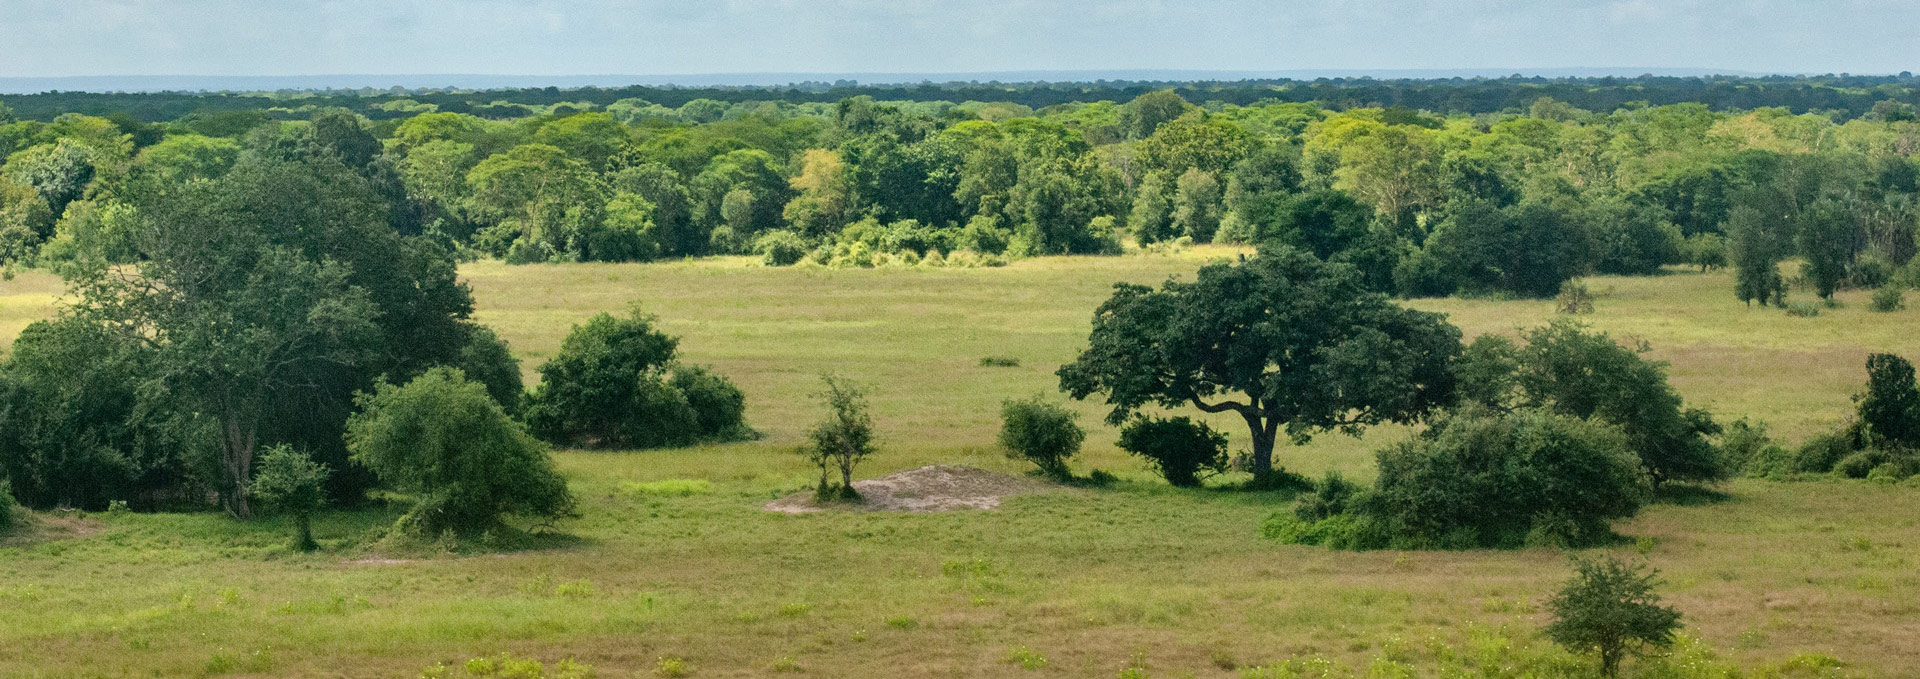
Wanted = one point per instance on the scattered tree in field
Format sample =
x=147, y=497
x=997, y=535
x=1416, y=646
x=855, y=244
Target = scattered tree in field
x=1754, y=255
x=615, y=384
x=841, y=440
x=444, y=440
x=1040, y=432
x=1890, y=408
x=1826, y=243
x=1610, y=608
x=289, y=482
x=1178, y=447
x=1301, y=343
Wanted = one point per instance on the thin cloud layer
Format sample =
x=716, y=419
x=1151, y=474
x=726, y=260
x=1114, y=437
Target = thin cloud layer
x=245, y=37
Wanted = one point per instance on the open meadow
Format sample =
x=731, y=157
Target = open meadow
x=673, y=555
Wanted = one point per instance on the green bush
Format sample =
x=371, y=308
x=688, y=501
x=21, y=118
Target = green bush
x=1889, y=411
x=1178, y=447
x=1040, y=432
x=1748, y=449
x=1483, y=480
x=614, y=384
x=1857, y=465
x=780, y=248
x=442, y=439
x=1803, y=309
x=1888, y=299
x=289, y=482
x=719, y=407
x=1819, y=453
x=1332, y=496
x=1610, y=608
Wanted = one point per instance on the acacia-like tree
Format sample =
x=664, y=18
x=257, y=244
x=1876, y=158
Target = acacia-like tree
x=841, y=440
x=1281, y=339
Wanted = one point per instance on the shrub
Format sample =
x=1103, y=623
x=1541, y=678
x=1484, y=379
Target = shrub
x=1747, y=449
x=1610, y=608
x=1332, y=496
x=614, y=384
x=1888, y=299
x=719, y=408
x=443, y=439
x=1482, y=480
x=780, y=248
x=1803, y=309
x=1820, y=452
x=1574, y=298
x=842, y=440
x=1870, y=271
x=999, y=362
x=983, y=234
x=289, y=482
x=1859, y=464
x=1042, y=433
x=1178, y=447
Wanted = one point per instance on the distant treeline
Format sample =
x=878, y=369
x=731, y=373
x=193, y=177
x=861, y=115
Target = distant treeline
x=1841, y=96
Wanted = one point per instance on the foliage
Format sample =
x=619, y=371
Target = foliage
x=1179, y=448
x=85, y=421
x=1565, y=368
x=1610, y=608
x=289, y=482
x=780, y=248
x=841, y=440
x=1888, y=299
x=8, y=507
x=1889, y=411
x=1748, y=449
x=1041, y=432
x=444, y=440
x=1304, y=343
x=1485, y=480
x=615, y=384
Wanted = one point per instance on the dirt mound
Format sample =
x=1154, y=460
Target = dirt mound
x=933, y=488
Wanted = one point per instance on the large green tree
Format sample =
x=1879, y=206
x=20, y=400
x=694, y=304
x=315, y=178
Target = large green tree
x=1280, y=339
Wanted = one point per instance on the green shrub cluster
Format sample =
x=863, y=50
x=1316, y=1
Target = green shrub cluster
x=1179, y=448
x=1882, y=442
x=1479, y=479
x=615, y=384
x=7, y=507
x=1041, y=432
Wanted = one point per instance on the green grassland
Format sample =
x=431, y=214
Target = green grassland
x=1176, y=582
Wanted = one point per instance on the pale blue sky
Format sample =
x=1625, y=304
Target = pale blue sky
x=288, y=37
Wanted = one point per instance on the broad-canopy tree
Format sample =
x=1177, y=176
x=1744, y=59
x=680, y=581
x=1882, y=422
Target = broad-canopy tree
x=1280, y=339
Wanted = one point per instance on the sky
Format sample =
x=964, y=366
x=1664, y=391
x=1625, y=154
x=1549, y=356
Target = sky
x=569, y=37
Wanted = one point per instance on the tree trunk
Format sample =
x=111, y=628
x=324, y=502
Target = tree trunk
x=237, y=446
x=1264, y=434
x=303, y=537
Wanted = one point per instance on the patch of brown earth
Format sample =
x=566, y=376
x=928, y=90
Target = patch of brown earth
x=933, y=488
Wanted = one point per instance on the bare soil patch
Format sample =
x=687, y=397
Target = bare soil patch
x=50, y=526
x=933, y=488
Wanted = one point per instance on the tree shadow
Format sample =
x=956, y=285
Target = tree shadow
x=1689, y=495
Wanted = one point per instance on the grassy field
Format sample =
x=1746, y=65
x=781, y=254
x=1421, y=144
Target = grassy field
x=1776, y=578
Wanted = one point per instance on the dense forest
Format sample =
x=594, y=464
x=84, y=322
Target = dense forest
x=1500, y=196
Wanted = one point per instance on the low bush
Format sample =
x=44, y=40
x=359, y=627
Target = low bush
x=1610, y=608
x=1480, y=480
x=615, y=383
x=1179, y=448
x=1803, y=309
x=1857, y=465
x=1888, y=299
x=999, y=362
x=1749, y=450
x=1040, y=432
x=1820, y=452
x=442, y=439
x=288, y=482
x=780, y=248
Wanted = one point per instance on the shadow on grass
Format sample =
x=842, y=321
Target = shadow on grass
x=1689, y=495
